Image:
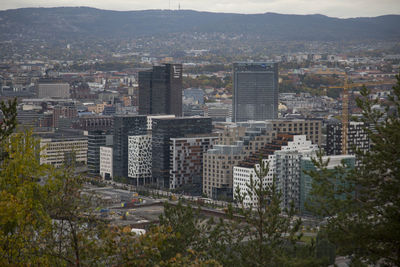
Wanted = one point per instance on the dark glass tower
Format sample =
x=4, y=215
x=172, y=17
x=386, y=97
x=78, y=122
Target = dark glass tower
x=160, y=90
x=163, y=131
x=96, y=139
x=124, y=126
x=255, y=95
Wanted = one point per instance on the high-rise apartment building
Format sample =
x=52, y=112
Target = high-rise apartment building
x=255, y=91
x=283, y=156
x=235, y=142
x=96, y=139
x=125, y=126
x=187, y=160
x=106, y=162
x=357, y=138
x=160, y=90
x=162, y=132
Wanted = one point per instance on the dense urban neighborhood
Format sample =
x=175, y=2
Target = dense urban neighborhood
x=198, y=146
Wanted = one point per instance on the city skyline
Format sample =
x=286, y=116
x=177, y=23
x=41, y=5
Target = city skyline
x=337, y=8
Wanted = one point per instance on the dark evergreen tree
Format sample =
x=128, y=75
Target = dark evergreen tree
x=365, y=222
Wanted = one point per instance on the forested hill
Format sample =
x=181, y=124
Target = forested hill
x=81, y=22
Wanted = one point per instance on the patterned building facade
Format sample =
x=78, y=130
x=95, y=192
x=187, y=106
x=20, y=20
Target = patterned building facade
x=140, y=159
x=357, y=138
x=187, y=160
x=124, y=126
x=162, y=132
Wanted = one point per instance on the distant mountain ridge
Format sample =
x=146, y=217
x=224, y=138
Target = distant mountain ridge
x=85, y=22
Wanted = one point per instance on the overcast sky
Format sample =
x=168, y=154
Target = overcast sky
x=333, y=8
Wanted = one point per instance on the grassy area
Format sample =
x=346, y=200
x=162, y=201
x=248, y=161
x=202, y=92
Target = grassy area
x=307, y=239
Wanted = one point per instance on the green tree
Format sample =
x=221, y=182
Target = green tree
x=9, y=120
x=23, y=217
x=273, y=232
x=259, y=235
x=366, y=223
x=47, y=219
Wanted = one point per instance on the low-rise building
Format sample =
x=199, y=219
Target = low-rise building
x=56, y=90
x=58, y=149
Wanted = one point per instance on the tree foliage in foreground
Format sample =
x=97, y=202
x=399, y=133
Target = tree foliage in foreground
x=47, y=220
x=262, y=235
x=366, y=223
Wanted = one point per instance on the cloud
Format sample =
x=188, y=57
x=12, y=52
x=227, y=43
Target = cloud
x=334, y=8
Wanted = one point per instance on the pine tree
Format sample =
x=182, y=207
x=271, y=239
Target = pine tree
x=366, y=223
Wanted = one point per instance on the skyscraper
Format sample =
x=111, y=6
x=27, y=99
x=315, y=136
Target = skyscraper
x=160, y=90
x=255, y=95
x=125, y=126
x=96, y=139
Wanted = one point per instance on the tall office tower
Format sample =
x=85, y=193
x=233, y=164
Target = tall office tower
x=96, y=139
x=357, y=138
x=160, y=90
x=255, y=91
x=125, y=126
x=165, y=129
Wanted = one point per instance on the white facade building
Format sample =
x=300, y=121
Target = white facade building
x=288, y=169
x=242, y=177
x=284, y=166
x=140, y=159
x=106, y=162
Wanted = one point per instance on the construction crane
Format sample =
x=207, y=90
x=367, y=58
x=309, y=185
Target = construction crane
x=345, y=106
x=345, y=115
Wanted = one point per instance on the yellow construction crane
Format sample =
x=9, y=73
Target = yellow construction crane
x=345, y=106
x=345, y=115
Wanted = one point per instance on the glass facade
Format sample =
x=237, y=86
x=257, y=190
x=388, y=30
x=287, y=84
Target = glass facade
x=160, y=90
x=124, y=126
x=255, y=95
